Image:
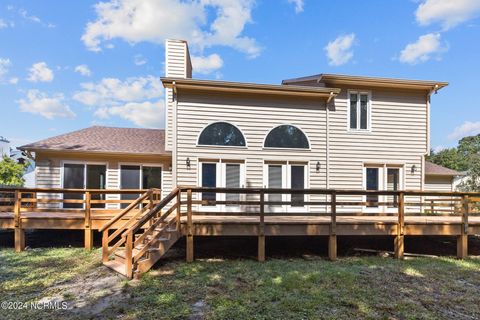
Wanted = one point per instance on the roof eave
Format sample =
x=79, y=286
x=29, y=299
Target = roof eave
x=382, y=82
x=248, y=87
x=98, y=152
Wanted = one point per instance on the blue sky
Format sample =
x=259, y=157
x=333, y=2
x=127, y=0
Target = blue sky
x=66, y=65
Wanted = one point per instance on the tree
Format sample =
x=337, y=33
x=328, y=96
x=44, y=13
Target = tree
x=472, y=181
x=449, y=158
x=11, y=173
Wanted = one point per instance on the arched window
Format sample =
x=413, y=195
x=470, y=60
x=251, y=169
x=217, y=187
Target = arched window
x=286, y=136
x=221, y=134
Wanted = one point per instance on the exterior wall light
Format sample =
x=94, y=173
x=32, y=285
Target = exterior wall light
x=317, y=167
x=413, y=169
x=188, y=163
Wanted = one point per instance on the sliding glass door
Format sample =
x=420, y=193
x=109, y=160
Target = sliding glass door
x=129, y=179
x=73, y=178
x=81, y=176
x=139, y=177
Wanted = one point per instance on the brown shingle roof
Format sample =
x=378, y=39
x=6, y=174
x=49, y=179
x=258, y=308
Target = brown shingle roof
x=437, y=170
x=106, y=139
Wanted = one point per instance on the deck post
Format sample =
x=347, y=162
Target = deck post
x=129, y=255
x=19, y=232
x=261, y=228
x=399, y=238
x=332, y=238
x=88, y=222
x=462, y=239
x=178, y=211
x=105, y=245
x=189, y=227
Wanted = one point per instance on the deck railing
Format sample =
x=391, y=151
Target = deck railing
x=85, y=204
x=334, y=204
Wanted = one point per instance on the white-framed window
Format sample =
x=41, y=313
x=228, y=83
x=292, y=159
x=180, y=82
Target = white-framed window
x=382, y=177
x=359, y=110
x=221, y=173
x=286, y=175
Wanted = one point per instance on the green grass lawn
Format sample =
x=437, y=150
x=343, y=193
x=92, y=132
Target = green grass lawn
x=351, y=288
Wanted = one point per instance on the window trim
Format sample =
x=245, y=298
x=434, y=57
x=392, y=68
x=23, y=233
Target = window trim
x=198, y=145
x=369, y=111
x=280, y=148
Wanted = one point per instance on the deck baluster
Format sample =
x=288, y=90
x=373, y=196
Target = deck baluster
x=88, y=222
x=19, y=232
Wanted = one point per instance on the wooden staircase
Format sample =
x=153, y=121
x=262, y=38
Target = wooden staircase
x=137, y=244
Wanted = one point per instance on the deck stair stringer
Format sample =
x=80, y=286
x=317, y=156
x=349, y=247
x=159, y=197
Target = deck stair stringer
x=144, y=239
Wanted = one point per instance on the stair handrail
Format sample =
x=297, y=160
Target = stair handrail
x=132, y=205
x=147, y=217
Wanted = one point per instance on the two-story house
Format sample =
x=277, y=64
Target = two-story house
x=323, y=131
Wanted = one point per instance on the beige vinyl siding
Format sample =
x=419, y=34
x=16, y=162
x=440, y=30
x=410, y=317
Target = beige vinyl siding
x=397, y=136
x=255, y=116
x=439, y=183
x=177, y=65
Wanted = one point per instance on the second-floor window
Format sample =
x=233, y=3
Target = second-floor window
x=359, y=110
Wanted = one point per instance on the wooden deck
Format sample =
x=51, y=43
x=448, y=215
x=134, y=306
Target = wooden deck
x=138, y=235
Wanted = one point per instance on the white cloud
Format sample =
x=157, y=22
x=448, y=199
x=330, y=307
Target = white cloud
x=208, y=64
x=4, y=66
x=135, y=99
x=3, y=24
x=339, y=50
x=439, y=148
x=110, y=91
x=39, y=72
x=144, y=114
x=25, y=15
x=423, y=49
x=156, y=20
x=13, y=80
x=298, y=5
x=83, y=70
x=139, y=60
x=40, y=103
x=467, y=128
x=449, y=13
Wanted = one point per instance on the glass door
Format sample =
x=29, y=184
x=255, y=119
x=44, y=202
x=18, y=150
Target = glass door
x=73, y=178
x=372, y=183
x=297, y=181
x=129, y=179
x=209, y=180
x=276, y=180
x=233, y=179
x=96, y=175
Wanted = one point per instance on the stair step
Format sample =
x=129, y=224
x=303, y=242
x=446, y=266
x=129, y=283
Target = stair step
x=116, y=266
x=121, y=253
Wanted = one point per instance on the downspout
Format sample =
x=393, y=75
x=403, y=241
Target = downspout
x=327, y=144
x=427, y=151
x=174, y=138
